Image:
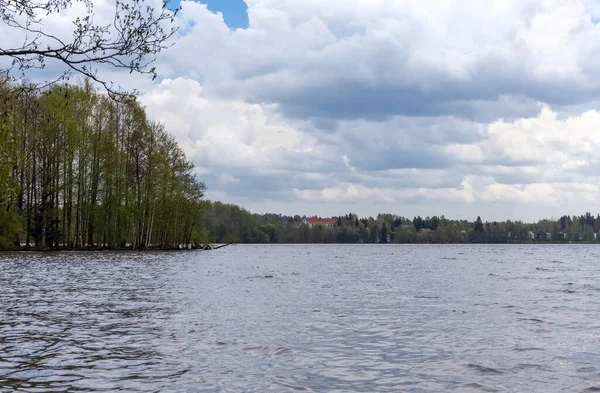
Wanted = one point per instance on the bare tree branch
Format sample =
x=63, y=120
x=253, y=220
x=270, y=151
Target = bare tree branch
x=131, y=42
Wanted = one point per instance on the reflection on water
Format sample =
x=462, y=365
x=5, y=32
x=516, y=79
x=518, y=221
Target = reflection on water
x=303, y=318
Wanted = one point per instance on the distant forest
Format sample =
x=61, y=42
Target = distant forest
x=225, y=223
x=81, y=170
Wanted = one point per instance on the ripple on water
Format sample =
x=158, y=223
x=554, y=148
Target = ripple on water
x=474, y=386
x=290, y=385
x=483, y=370
x=534, y=320
x=527, y=349
x=304, y=318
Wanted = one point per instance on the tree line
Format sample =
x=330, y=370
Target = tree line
x=227, y=223
x=80, y=170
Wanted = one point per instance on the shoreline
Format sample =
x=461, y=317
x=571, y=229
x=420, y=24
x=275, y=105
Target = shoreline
x=206, y=247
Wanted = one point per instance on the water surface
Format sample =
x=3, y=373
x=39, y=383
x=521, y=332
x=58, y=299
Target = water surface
x=312, y=318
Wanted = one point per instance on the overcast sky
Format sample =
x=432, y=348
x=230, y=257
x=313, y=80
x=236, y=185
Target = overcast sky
x=414, y=107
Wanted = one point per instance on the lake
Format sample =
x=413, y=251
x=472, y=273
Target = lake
x=312, y=318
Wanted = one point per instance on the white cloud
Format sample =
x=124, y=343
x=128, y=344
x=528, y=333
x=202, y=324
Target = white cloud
x=465, y=153
x=225, y=133
x=474, y=190
x=348, y=192
x=546, y=139
x=357, y=59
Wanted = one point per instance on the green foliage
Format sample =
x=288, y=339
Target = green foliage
x=384, y=234
x=231, y=238
x=81, y=170
x=478, y=226
x=10, y=227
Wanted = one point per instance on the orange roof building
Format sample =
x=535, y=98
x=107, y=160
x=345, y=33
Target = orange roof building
x=326, y=222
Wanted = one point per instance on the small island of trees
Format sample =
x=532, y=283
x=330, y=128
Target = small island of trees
x=81, y=170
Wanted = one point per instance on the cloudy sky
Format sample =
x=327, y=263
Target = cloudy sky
x=431, y=107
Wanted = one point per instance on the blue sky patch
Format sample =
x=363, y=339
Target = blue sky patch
x=235, y=12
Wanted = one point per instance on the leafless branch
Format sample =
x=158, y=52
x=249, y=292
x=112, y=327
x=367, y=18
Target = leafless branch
x=131, y=42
